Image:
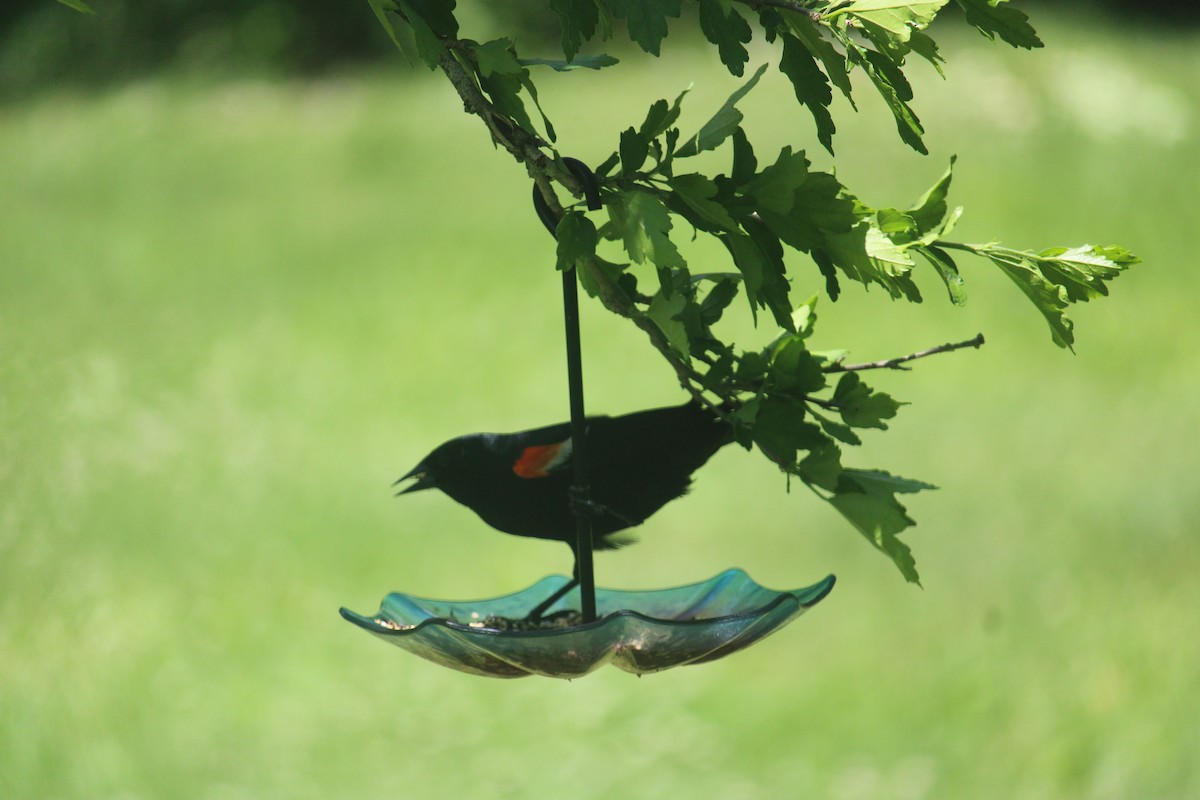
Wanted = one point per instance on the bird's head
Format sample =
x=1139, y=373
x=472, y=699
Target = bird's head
x=445, y=468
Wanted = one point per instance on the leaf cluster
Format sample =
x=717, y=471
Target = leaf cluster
x=799, y=406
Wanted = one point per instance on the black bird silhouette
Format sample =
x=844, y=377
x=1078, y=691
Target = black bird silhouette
x=520, y=483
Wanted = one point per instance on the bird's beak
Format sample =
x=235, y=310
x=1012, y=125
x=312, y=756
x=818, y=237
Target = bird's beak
x=423, y=480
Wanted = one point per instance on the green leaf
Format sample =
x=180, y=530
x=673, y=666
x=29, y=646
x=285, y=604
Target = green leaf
x=895, y=90
x=722, y=293
x=948, y=270
x=818, y=209
x=780, y=430
x=867, y=255
x=1082, y=271
x=644, y=224
x=793, y=369
x=598, y=61
x=78, y=5
x=758, y=255
x=496, y=58
x=861, y=406
x=898, y=18
x=930, y=210
x=745, y=165
x=993, y=18
x=843, y=433
x=810, y=85
x=697, y=192
x=577, y=239
x=774, y=189
x=634, y=148
x=432, y=22
x=385, y=12
x=867, y=498
x=660, y=116
x=823, y=465
x=722, y=25
x=1050, y=300
x=722, y=124
x=523, y=77
x=833, y=62
x=504, y=90
x=646, y=20
x=665, y=312
x=578, y=20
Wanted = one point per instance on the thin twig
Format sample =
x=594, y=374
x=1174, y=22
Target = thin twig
x=899, y=361
x=785, y=5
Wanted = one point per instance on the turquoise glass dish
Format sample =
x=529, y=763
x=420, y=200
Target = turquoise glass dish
x=638, y=631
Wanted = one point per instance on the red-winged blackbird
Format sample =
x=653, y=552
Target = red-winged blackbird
x=520, y=483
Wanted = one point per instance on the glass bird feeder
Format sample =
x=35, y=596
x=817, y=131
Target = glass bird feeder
x=638, y=631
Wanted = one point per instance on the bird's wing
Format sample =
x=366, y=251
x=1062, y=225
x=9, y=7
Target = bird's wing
x=539, y=461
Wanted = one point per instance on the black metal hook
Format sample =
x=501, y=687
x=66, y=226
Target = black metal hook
x=583, y=573
x=587, y=182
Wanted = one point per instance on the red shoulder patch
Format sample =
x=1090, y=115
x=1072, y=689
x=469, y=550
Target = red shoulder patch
x=538, y=461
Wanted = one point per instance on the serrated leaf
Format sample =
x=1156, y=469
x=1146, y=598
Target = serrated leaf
x=698, y=191
x=865, y=254
x=598, y=61
x=860, y=406
x=718, y=298
x=895, y=90
x=833, y=62
x=818, y=208
x=793, y=369
x=577, y=239
x=665, y=312
x=660, y=117
x=644, y=225
x=810, y=85
x=504, y=90
x=867, y=498
x=496, y=58
x=431, y=22
x=722, y=124
x=780, y=430
x=578, y=20
x=1049, y=299
x=804, y=317
x=722, y=25
x=598, y=276
x=646, y=20
x=899, y=18
x=633, y=149
x=774, y=189
x=1082, y=271
x=838, y=430
x=822, y=466
x=993, y=18
x=523, y=77
x=758, y=255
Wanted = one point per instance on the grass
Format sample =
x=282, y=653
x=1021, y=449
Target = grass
x=230, y=314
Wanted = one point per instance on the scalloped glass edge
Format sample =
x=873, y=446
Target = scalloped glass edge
x=637, y=631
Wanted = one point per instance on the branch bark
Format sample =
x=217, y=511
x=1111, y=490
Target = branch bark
x=900, y=361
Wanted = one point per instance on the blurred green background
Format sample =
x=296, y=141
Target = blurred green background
x=233, y=309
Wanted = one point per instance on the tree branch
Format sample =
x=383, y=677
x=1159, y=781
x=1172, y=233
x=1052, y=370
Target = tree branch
x=898, y=362
x=785, y=5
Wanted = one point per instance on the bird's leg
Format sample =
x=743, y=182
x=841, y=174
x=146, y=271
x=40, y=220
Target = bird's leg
x=578, y=501
x=541, y=607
